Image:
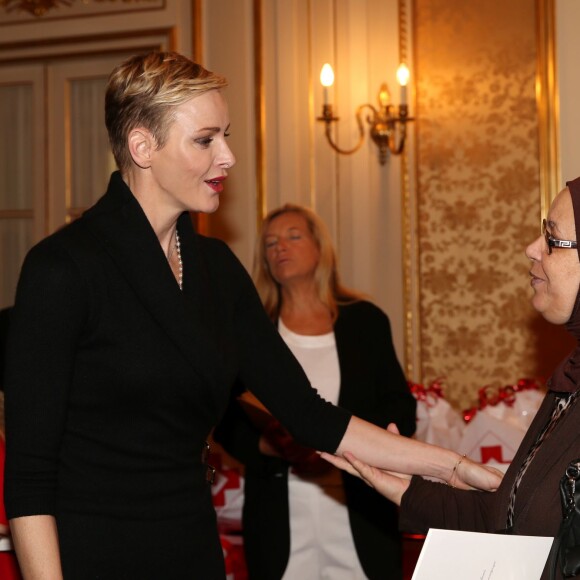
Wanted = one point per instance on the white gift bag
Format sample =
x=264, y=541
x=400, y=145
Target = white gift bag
x=437, y=421
x=495, y=430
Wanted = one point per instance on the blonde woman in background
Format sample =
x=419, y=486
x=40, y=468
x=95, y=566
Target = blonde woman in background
x=302, y=518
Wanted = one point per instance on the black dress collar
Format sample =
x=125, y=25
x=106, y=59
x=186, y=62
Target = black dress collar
x=122, y=227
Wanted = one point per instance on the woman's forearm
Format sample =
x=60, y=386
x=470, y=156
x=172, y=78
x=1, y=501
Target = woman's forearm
x=35, y=540
x=391, y=452
x=385, y=450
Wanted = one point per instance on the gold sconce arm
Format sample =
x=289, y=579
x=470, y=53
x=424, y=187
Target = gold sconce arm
x=387, y=129
x=329, y=118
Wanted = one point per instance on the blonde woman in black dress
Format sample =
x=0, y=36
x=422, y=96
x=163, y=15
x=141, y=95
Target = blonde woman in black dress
x=127, y=333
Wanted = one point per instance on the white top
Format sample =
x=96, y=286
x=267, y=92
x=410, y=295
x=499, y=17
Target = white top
x=318, y=357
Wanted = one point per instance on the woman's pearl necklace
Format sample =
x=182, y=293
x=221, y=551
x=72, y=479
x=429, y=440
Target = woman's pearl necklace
x=178, y=248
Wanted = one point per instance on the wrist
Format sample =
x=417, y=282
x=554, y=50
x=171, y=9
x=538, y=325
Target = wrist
x=454, y=471
x=439, y=464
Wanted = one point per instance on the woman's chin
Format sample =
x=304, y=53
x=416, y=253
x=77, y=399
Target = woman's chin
x=555, y=317
x=209, y=207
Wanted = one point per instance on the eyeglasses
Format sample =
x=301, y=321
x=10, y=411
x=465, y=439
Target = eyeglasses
x=552, y=242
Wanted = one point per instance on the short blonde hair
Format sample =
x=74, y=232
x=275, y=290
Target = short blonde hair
x=143, y=91
x=328, y=286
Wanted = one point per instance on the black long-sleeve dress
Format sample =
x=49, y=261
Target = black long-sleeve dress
x=114, y=380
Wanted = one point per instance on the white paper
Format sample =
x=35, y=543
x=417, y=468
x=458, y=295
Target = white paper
x=453, y=555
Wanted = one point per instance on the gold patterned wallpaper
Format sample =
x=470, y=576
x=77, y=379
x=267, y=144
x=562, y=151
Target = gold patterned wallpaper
x=478, y=192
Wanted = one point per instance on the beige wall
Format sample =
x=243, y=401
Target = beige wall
x=228, y=48
x=568, y=71
x=359, y=199
x=478, y=187
x=477, y=191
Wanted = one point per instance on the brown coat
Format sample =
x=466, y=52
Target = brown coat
x=538, y=509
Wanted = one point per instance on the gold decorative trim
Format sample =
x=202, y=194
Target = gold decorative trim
x=312, y=127
x=407, y=270
x=411, y=306
x=39, y=8
x=65, y=47
x=547, y=103
x=35, y=7
x=259, y=110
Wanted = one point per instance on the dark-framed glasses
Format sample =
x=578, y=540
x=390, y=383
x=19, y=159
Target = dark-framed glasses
x=552, y=242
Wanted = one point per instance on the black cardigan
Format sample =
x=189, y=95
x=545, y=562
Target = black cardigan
x=373, y=387
x=115, y=378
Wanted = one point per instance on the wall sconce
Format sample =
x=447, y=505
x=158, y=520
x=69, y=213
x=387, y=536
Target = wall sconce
x=387, y=128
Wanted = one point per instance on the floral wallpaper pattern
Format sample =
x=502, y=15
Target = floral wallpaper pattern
x=478, y=191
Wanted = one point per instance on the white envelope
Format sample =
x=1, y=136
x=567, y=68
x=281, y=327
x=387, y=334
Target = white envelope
x=453, y=555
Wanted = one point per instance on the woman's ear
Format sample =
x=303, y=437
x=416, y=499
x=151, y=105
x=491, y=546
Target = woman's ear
x=141, y=145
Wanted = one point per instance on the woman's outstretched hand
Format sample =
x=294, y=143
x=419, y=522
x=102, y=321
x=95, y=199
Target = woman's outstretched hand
x=468, y=475
x=465, y=474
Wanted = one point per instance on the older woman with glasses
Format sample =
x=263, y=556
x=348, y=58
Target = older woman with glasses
x=528, y=500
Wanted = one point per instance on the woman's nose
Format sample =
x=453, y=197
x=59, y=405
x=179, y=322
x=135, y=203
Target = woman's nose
x=535, y=250
x=227, y=158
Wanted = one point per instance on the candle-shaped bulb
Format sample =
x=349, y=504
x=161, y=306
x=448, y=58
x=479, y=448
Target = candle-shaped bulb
x=403, y=75
x=326, y=79
x=384, y=95
x=326, y=76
